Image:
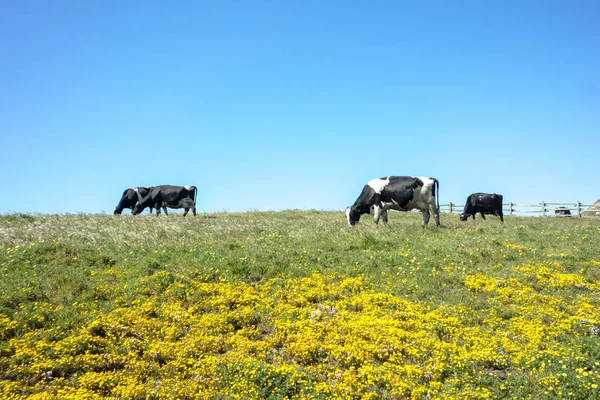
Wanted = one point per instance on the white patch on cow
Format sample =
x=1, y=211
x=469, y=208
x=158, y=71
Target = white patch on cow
x=378, y=184
x=137, y=191
x=348, y=215
x=188, y=187
x=393, y=206
x=378, y=211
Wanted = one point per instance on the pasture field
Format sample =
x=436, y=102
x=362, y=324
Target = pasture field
x=296, y=304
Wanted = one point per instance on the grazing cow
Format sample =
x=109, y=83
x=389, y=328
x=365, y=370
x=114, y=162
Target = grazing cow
x=562, y=211
x=483, y=203
x=169, y=196
x=130, y=197
x=402, y=193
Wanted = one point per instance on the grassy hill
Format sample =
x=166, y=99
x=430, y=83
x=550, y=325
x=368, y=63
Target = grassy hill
x=296, y=304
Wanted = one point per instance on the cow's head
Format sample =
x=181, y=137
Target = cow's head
x=353, y=215
x=137, y=209
x=464, y=217
x=118, y=211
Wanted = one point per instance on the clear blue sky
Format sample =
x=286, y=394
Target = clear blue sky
x=273, y=105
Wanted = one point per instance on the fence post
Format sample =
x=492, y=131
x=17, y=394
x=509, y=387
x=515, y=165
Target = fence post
x=450, y=207
x=579, y=208
x=510, y=208
x=543, y=209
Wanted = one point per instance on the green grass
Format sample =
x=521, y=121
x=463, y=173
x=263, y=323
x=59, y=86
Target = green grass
x=104, y=262
x=56, y=253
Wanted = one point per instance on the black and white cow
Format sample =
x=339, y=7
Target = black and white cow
x=130, y=197
x=403, y=193
x=168, y=196
x=562, y=211
x=483, y=203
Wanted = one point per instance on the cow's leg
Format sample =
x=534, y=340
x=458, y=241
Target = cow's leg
x=186, y=211
x=157, y=209
x=426, y=216
x=482, y=216
x=165, y=210
x=376, y=213
x=436, y=214
x=501, y=217
x=384, y=216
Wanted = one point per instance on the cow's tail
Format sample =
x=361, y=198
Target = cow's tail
x=195, y=195
x=436, y=185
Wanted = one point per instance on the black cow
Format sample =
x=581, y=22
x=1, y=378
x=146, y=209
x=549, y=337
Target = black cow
x=483, y=203
x=130, y=197
x=169, y=196
x=562, y=211
x=403, y=193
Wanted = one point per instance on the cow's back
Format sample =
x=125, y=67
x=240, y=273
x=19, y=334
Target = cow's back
x=487, y=202
x=171, y=194
x=400, y=190
x=410, y=192
x=483, y=200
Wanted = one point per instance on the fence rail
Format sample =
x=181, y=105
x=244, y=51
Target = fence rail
x=545, y=209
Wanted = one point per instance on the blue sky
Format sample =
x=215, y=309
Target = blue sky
x=269, y=105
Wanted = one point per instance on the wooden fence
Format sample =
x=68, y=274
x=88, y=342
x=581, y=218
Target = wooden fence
x=543, y=208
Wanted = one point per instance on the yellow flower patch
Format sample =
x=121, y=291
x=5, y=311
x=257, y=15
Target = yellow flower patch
x=315, y=337
x=480, y=282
